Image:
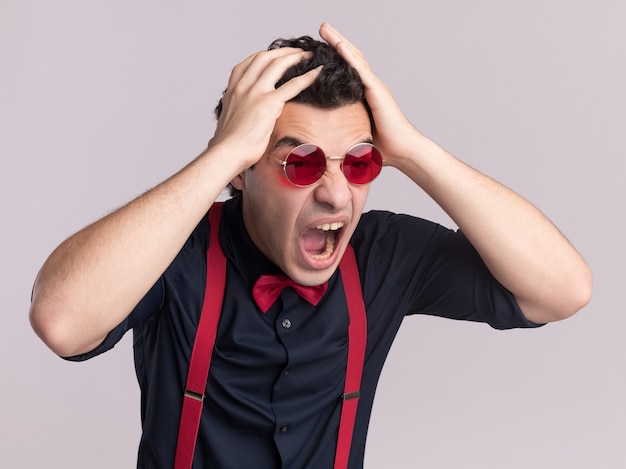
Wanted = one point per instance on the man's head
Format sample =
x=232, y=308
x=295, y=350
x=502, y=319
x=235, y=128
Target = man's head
x=337, y=85
x=305, y=230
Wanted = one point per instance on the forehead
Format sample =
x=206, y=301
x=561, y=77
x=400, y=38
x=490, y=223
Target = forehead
x=332, y=129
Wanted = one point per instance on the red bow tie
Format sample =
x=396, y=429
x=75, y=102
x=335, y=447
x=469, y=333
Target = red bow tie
x=268, y=288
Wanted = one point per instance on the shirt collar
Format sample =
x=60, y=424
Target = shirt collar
x=246, y=259
x=249, y=262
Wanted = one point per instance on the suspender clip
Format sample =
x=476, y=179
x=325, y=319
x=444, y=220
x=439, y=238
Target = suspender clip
x=194, y=395
x=346, y=396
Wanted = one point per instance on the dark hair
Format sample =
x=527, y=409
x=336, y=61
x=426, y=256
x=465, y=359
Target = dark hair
x=337, y=85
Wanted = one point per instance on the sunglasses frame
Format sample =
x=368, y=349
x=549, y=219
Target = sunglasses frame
x=283, y=163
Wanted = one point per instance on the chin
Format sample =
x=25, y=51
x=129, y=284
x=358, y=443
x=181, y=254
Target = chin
x=310, y=279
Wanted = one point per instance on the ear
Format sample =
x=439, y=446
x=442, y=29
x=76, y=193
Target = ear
x=239, y=182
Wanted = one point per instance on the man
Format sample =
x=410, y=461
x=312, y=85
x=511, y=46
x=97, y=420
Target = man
x=272, y=397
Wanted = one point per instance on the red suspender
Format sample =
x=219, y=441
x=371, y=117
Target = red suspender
x=205, y=340
x=357, y=338
x=203, y=345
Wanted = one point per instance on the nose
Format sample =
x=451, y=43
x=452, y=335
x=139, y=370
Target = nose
x=333, y=188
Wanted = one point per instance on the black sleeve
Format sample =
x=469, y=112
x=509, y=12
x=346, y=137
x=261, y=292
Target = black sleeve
x=148, y=305
x=420, y=267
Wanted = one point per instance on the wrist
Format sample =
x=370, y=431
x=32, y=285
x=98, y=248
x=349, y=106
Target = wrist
x=413, y=147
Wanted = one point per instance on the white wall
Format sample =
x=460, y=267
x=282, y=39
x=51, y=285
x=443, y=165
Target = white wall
x=101, y=100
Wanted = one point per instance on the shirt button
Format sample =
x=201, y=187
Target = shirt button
x=286, y=323
x=284, y=429
x=286, y=373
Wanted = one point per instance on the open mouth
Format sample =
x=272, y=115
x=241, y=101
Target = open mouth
x=319, y=242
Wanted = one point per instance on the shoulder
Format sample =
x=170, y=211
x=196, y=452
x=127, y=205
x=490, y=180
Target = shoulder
x=398, y=246
x=379, y=226
x=193, y=253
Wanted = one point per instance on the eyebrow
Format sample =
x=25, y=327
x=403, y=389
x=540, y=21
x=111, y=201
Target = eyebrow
x=286, y=142
x=292, y=142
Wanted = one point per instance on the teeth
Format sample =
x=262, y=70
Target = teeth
x=330, y=247
x=330, y=226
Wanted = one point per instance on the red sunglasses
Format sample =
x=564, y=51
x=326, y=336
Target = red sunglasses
x=305, y=164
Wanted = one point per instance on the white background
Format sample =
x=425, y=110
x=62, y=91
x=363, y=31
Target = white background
x=101, y=100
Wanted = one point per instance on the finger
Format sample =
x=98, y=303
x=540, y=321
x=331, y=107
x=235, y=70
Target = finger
x=330, y=34
x=345, y=48
x=336, y=39
x=267, y=74
x=293, y=87
x=250, y=70
x=239, y=69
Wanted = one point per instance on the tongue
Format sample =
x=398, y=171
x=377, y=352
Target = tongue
x=314, y=240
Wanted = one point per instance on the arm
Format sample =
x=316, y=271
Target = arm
x=523, y=250
x=94, y=279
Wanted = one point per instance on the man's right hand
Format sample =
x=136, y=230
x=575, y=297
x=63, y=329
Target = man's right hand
x=94, y=279
x=252, y=103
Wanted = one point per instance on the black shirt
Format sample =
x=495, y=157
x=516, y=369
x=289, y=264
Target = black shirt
x=274, y=386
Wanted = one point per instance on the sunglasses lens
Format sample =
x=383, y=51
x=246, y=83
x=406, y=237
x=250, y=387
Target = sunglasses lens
x=305, y=165
x=362, y=163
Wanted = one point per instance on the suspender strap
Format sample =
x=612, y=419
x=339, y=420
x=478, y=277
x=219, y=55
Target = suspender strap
x=205, y=340
x=357, y=338
x=203, y=345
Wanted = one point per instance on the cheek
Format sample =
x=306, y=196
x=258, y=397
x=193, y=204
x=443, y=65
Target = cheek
x=359, y=197
x=276, y=205
x=266, y=181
